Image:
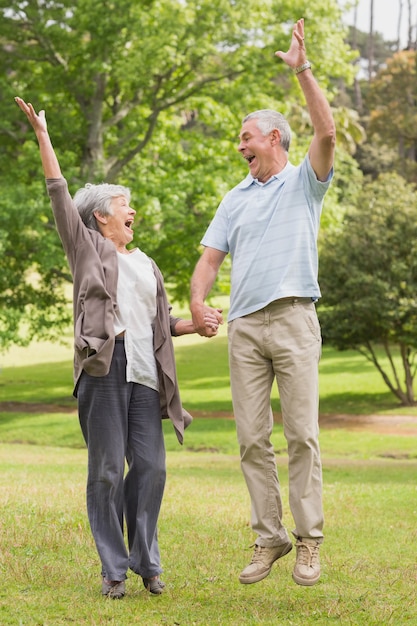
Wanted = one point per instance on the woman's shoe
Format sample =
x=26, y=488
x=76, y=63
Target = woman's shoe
x=154, y=585
x=114, y=589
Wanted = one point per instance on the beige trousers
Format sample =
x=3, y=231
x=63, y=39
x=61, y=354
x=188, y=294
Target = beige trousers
x=281, y=341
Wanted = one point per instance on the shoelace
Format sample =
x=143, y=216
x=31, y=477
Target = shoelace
x=257, y=555
x=307, y=554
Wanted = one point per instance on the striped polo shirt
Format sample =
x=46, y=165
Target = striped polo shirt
x=270, y=230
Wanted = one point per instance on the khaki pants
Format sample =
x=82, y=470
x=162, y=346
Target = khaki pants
x=281, y=341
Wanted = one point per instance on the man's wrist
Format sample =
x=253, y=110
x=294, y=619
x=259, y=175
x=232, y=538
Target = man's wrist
x=196, y=308
x=302, y=68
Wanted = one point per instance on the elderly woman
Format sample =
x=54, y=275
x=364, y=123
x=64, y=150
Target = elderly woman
x=124, y=368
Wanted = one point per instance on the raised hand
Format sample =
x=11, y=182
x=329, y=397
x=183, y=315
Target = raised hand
x=38, y=121
x=296, y=55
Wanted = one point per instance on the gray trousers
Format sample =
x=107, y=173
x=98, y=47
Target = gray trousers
x=121, y=422
x=281, y=341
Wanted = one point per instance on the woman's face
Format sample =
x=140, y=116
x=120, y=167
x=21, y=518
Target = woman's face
x=118, y=226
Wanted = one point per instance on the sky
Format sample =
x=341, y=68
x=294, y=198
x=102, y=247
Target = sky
x=386, y=14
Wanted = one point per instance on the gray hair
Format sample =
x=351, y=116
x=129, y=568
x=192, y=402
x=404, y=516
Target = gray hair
x=268, y=120
x=97, y=198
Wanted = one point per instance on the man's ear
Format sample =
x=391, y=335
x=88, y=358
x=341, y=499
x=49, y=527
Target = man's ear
x=100, y=218
x=275, y=136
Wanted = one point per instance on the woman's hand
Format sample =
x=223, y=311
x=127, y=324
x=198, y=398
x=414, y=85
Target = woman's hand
x=207, y=327
x=38, y=122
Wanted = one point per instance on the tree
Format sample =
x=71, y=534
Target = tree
x=411, y=28
x=392, y=103
x=147, y=93
x=368, y=275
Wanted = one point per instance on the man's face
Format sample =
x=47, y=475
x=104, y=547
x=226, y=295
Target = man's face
x=258, y=150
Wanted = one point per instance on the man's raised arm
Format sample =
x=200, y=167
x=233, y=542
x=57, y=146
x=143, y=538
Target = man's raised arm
x=322, y=147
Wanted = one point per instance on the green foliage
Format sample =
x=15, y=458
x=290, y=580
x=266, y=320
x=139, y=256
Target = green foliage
x=151, y=94
x=32, y=300
x=392, y=101
x=389, y=117
x=368, y=273
x=381, y=49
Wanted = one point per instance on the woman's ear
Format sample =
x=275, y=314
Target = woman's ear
x=102, y=219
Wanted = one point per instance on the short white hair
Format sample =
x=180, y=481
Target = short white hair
x=268, y=120
x=93, y=198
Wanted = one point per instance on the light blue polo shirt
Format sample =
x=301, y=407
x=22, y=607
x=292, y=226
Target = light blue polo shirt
x=270, y=230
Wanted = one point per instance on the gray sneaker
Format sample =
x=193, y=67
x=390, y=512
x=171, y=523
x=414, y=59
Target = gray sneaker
x=262, y=561
x=307, y=563
x=115, y=589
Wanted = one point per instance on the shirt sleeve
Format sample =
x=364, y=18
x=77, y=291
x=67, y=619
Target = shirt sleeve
x=216, y=234
x=316, y=187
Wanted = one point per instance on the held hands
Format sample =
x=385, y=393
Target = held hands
x=207, y=321
x=296, y=55
x=38, y=122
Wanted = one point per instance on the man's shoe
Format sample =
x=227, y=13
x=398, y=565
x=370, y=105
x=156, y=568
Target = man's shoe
x=262, y=561
x=307, y=563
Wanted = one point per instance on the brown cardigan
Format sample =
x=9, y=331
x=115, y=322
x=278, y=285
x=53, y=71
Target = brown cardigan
x=93, y=263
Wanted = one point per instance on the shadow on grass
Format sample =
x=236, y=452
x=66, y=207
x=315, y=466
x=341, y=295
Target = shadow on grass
x=49, y=383
x=348, y=383
x=359, y=403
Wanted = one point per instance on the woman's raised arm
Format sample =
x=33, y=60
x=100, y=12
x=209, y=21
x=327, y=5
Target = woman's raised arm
x=38, y=122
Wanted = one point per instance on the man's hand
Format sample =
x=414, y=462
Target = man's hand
x=296, y=54
x=207, y=320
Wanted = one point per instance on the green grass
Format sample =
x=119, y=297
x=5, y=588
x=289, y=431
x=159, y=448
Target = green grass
x=48, y=564
x=213, y=435
x=50, y=571
x=349, y=384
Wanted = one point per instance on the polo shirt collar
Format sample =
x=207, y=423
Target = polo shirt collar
x=250, y=180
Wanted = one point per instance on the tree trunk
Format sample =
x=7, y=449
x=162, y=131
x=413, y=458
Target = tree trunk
x=357, y=84
x=371, y=42
x=410, y=42
x=405, y=354
x=92, y=166
x=405, y=396
x=400, y=15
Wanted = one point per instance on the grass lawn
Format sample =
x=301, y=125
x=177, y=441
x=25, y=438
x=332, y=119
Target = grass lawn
x=349, y=384
x=48, y=564
x=50, y=571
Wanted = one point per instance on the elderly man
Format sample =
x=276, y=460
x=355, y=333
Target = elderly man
x=269, y=223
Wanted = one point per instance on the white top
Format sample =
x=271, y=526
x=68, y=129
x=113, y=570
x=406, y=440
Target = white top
x=136, y=298
x=270, y=230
